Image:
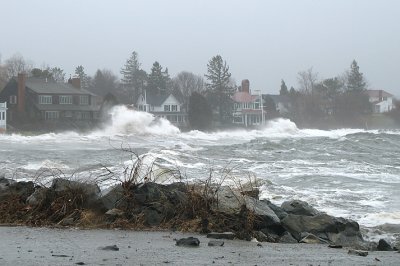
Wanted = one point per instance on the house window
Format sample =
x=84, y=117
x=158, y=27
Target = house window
x=64, y=99
x=84, y=100
x=167, y=108
x=174, y=108
x=45, y=99
x=3, y=117
x=13, y=99
x=51, y=115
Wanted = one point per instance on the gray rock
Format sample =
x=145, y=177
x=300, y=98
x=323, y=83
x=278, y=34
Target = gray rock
x=188, y=242
x=299, y=207
x=216, y=243
x=263, y=211
x=111, y=248
x=227, y=201
x=356, y=252
x=337, y=230
x=230, y=202
x=225, y=235
x=152, y=217
x=21, y=189
x=37, y=197
x=383, y=245
x=113, y=198
x=281, y=213
x=287, y=238
x=67, y=221
x=262, y=237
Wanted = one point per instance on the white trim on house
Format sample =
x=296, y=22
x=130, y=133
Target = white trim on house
x=3, y=117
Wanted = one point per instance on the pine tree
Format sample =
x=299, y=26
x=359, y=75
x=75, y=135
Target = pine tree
x=355, y=79
x=158, y=79
x=284, y=89
x=200, y=113
x=80, y=71
x=219, y=89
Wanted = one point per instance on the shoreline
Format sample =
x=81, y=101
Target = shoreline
x=19, y=246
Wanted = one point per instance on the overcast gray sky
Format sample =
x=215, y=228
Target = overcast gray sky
x=263, y=41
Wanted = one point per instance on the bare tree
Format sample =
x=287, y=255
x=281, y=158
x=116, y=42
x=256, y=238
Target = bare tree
x=17, y=64
x=307, y=80
x=188, y=83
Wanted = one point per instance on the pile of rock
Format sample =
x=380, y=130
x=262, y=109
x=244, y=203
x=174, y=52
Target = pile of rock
x=172, y=206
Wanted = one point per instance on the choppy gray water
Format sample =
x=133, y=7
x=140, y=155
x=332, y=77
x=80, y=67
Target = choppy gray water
x=348, y=172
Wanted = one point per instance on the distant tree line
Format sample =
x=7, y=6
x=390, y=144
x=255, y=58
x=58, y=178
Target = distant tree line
x=340, y=100
x=337, y=100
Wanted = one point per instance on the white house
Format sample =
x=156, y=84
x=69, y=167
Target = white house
x=247, y=108
x=165, y=106
x=381, y=100
x=3, y=117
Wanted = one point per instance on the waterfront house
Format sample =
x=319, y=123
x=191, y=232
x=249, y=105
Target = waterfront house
x=247, y=108
x=381, y=100
x=40, y=101
x=163, y=105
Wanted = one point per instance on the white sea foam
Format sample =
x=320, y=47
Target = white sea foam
x=131, y=122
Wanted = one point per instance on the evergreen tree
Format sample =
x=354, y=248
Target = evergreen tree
x=132, y=74
x=284, y=89
x=219, y=88
x=200, y=113
x=80, y=71
x=158, y=79
x=355, y=79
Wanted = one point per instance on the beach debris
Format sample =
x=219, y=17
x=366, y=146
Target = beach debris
x=335, y=246
x=312, y=239
x=112, y=248
x=225, y=235
x=383, y=245
x=216, y=243
x=80, y=263
x=356, y=252
x=60, y=255
x=188, y=242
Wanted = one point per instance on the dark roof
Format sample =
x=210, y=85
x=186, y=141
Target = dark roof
x=375, y=93
x=40, y=86
x=66, y=107
x=156, y=99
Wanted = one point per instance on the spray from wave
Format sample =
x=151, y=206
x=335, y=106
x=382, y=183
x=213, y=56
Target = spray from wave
x=130, y=122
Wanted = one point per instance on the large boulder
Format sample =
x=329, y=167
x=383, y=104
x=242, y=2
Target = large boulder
x=38, y=196
x=10, y=188
x=113, y=198
x=299, y=207
x=338, y=231
x=230, y=202
x=90, y=191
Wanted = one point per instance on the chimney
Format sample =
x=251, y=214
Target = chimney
x=380, y=95
x=75, y=81
x=246, y=85
x=21, y=83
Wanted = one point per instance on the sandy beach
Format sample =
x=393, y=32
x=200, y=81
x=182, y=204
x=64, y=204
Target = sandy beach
x=50, y=246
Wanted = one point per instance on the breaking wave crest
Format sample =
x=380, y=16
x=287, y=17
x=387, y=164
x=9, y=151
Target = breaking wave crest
x=130, y=122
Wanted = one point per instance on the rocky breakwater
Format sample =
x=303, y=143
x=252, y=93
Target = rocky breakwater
x=209, y=209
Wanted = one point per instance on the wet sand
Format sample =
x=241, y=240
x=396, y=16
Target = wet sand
x=49, y=246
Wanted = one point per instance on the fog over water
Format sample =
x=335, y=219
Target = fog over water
x=352, y=173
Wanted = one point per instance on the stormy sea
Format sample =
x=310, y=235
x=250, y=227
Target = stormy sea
x=352, y=173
